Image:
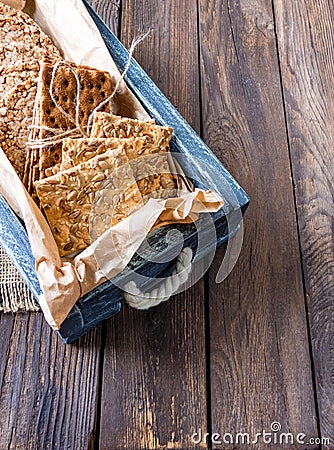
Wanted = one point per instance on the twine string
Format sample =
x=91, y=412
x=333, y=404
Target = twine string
x=136, y=41
x=79, y=131
x=51, y=140
x=77, y=99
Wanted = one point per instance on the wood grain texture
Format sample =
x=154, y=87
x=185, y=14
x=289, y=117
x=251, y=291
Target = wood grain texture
x=109, y=11
x=305, y=40
x=260, y=361
x=154, y=377
x=154, y=385
x=48, y=389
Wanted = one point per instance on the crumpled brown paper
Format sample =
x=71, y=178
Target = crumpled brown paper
x=64, y=281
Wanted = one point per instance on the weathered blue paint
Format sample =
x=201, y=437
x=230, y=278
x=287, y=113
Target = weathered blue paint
x=14, y=240
x=106, y=300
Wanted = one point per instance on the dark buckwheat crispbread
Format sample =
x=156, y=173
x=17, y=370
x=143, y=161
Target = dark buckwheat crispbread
x=95, y=87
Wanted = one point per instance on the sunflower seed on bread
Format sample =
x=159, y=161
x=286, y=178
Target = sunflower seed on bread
x=98, y=194
x=110, y=126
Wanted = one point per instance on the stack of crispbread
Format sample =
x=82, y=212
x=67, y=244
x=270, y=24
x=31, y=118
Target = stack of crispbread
x=103, y=178
x=22, y=46
x=63, y=111
x=98, y=175
x=68, y=199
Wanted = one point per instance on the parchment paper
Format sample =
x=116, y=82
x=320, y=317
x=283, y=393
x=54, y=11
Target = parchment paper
x=64, y=281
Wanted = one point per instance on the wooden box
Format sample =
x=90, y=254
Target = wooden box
x=106, y=300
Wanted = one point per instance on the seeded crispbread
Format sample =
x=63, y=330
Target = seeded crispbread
x=16, y=111
x=22, y=46
x=10, y=77
x=110, y=126
x=77, y=151
x=21, y=38
x=157, y=139
x=148, y=160
x=68, y=197
x=95, y=85
x=153, y=176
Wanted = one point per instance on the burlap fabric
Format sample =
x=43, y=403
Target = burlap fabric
x=14, y=294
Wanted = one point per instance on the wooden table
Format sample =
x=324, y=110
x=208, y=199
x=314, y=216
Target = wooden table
x=255, y=79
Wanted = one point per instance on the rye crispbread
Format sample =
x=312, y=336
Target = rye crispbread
x=95, y=87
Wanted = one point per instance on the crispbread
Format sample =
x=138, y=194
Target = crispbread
x=96, y=86
x=16, y=111
x=17, y=73
x=77, y=151
x=22, y=46
x=68, y=197
x=110, y=126
x=21, y=38
x=10, y=77
x=148, y=161
x=31, y=171
x=153, y=176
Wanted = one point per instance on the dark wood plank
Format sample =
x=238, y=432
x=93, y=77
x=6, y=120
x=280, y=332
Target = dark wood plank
x=154, y=377
x=306, y=55
x=260, y=360
x=109, y=11
x=154, y=383
x=48, y=394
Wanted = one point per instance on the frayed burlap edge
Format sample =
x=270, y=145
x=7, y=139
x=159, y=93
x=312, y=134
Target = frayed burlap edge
x=16, y=297
x=14, y=294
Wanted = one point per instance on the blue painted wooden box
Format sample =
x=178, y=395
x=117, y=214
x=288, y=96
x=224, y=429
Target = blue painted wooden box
x=106, y=300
